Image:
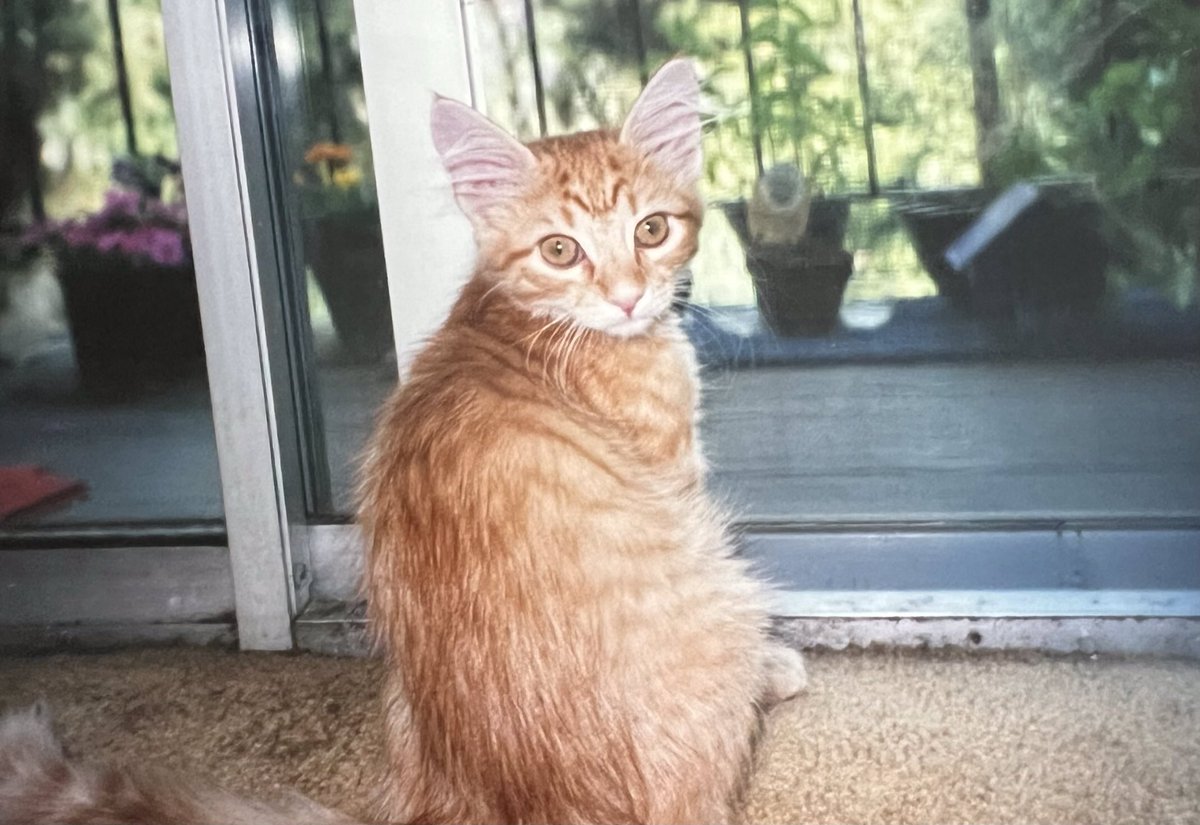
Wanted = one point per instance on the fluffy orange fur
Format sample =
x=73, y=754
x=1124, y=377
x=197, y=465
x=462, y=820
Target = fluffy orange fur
x=569, y=636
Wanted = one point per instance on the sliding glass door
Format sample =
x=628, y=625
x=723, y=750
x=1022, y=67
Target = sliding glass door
x=946, y=295
x=111, y=515
x=951, y=375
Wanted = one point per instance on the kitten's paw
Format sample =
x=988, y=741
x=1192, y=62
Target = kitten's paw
x=785, y=673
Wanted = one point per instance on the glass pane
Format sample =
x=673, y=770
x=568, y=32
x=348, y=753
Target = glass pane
x=343, y=325
x=950, y=265
x=104, y=406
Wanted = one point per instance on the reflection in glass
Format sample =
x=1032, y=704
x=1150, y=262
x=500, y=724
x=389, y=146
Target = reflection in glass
x=346, y=345
x=102, y=383
x=980, y=220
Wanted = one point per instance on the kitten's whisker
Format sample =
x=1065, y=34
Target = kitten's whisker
x=552, y=348
x=540, y=330
x=725, y=368
x=572, y=348
x=560, y=356
x=567, y=346
x=701, y=308
x=535, y=335
x=561, y=373
x=585, y=338
x=490, y=290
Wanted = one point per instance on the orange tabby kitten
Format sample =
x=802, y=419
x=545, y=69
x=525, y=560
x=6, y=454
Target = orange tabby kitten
x=569, y=637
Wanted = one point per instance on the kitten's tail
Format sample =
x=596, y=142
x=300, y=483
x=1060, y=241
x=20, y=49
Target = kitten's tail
x=40, y=784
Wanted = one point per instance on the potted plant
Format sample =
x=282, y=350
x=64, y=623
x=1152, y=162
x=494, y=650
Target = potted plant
x=1133, y=124
x=129, y=284
x=794, y=251
x=344, y=245
x=933, y=219
x=792, y=234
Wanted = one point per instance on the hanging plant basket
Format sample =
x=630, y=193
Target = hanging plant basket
x=134, y=323
x=345, y=251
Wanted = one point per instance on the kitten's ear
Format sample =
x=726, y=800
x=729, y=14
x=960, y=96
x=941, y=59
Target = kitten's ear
x=665, y=121
x=485, y=164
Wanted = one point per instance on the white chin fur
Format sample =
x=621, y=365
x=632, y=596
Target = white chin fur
x=622, y=327
x=629, y=327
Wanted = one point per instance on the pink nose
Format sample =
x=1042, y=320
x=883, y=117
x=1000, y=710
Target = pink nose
x=626, y=301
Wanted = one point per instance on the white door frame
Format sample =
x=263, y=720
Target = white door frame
x=411, y=49
x=210, y=53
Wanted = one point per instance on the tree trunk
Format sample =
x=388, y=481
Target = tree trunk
x=989, y=133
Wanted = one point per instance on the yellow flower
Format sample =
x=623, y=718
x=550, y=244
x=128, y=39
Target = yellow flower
x=347, y=177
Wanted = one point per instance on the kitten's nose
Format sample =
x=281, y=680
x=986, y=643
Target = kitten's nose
x=626, y=299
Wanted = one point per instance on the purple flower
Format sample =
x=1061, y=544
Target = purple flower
x=137, y=226
x=163, y=246
x=78, y=234
x=118, y=203
x=108, y=241
x=172, y=213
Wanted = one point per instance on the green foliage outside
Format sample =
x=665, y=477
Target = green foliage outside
x=64, y=54
x=64, y=49
x=806, y=108
x=1107, y=88
x=1112, y=88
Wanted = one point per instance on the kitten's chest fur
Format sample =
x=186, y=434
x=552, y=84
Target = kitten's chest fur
x=643, y=392
x=636, y=395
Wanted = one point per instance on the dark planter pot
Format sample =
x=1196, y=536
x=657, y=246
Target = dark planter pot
x=346, y=254
x=1038, y=251
x=134, y=324
x=933, y=221
x=799, y=288
x=827, y=221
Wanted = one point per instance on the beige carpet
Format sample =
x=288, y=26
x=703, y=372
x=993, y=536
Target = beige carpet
x=879, y=738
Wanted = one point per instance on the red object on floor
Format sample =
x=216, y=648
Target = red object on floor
x=26, y=488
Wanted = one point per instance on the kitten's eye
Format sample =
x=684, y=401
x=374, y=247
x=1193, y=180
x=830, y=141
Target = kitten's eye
x=559, y=250
x=652, y=231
